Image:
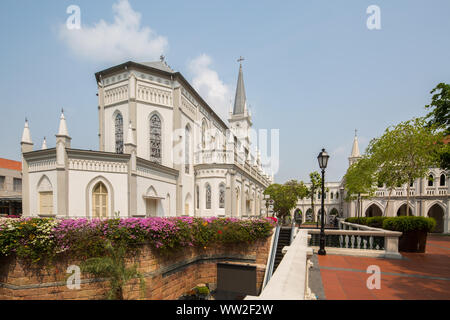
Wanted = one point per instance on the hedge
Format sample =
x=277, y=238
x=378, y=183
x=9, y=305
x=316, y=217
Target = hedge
x=409, y=223
x=403, y=224
x=39, y=239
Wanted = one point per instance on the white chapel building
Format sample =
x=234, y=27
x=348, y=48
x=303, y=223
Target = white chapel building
x=429, y=197
x=163, y=152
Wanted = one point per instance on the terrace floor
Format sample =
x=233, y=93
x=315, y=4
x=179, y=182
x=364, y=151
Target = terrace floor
x=419, y=276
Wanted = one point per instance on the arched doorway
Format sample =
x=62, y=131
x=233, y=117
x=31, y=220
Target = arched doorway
x=374, y=211
x=309, y=215
x=437, y=213
x=298, y=216
x=402, y=210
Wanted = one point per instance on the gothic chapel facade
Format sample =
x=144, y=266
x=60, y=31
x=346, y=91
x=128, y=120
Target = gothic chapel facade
x=163, y=152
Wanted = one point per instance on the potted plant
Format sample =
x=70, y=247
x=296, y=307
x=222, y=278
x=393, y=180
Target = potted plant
x=414, y=229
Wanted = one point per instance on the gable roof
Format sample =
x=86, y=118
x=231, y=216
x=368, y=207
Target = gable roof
x=10, y=164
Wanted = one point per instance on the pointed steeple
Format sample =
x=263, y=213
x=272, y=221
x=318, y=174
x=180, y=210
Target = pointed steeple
x=355, y=155
x=26, y=135
x=240, y=99
x=62, y=125
x=44, y=144
x=355, y=147
x=63, y=134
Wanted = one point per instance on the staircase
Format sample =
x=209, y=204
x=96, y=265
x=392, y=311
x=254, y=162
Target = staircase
x=284, y=239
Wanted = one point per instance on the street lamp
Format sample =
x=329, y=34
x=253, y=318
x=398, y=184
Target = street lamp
x=323, y=161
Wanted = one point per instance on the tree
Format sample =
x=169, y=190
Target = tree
x=360, y=178
x=285, y=196
x=315, y=185
x=405, y=152
x=439, y=116
x=113, y=266
x=440, y=107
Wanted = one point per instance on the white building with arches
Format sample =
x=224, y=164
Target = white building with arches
x=429, y=197
x=163, y=151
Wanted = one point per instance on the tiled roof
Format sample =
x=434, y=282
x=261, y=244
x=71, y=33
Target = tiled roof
x=10, y=164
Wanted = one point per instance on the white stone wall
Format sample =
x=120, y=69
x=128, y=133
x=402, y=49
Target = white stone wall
x=35, y=178
x=81, y=184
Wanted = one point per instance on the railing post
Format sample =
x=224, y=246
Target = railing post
x=309, y=264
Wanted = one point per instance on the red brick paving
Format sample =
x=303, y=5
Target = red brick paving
x=402, y=285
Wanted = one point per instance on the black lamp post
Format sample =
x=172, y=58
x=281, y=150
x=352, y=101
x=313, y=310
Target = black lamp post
x=323, y=161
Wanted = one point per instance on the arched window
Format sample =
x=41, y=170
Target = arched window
x=155, y=139
x=442, y=180
x=100, y=201
x=430, y=180
x=318, y=195
x=187, y=140
x=331, y=195
x=221, y=195
x=197, y=196
x=203, y=134
x=45, y=190
x=337, y=194
x=208, y=196
x=118, y=123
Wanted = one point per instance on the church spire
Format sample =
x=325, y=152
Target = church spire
x=240, y=99
x=355, y=155
x=355, y=147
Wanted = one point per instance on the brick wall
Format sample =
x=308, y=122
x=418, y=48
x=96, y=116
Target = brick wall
x=166, y=277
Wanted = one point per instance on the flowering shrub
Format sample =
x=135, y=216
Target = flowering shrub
x=36, y=239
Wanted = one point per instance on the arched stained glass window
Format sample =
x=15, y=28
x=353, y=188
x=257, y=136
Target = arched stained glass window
x=100, y=201
x=442, y=180
x=208, y=196
x=118, y=122
x=430, y=180
x=187, y=140
x=221, y=195
x=203, y=134
x=197, y=197
x=155, y=139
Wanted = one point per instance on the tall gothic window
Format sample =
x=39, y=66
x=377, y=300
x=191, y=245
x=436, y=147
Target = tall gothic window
x=100, y=201
x=430, y=180
x=119, y=133
x=208, y=196
x=442, y=180
x=155, y=138
x=187, y=140
x=203, y=134
x=222, y=196
x=197, y=196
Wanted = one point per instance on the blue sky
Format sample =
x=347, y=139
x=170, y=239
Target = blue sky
x=312, y=68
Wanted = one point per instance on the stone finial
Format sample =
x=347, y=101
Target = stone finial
x=62, y=125
x=44, y=144
x=26, y=135
x=130, y=135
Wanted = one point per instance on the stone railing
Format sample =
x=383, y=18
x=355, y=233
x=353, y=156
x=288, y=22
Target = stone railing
x=290, y=279
x=355, y=239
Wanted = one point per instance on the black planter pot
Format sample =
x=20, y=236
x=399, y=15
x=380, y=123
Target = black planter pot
x=413, y=241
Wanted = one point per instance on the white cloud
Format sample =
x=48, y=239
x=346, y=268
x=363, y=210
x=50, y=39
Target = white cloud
x=208, y=84
x=124, y=39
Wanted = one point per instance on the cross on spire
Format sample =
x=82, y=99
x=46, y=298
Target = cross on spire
x=241, y=58
x=356, y=132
